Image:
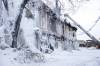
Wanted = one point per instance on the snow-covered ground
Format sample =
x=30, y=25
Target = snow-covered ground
x=82, y=57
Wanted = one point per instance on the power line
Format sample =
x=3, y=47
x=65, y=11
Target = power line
x=91, y=26
x=96, y=21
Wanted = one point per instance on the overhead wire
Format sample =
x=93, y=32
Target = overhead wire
x=95, y=23
x=91, y=26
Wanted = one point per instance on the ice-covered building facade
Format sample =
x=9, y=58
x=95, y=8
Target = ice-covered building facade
x=52, y=32
x=40, y=27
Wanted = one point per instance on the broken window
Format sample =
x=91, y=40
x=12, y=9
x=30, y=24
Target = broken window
x=53, y=23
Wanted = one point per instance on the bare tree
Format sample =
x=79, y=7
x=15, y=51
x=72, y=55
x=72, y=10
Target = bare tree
x=73, y=5
x=17, y=24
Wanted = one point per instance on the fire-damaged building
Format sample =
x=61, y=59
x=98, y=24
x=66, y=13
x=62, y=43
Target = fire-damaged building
x=52, y=32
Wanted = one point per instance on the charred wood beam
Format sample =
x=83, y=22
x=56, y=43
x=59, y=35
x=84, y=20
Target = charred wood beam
x=17, y=24
x=5, y=2
x=69, y=25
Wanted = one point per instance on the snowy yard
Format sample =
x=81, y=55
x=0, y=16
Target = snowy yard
x=82, y=57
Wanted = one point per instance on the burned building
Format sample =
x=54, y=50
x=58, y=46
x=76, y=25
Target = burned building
x=52, y=32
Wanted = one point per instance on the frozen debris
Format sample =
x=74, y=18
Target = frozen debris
x=4, y=46
x=83, y=57
x=27, y=56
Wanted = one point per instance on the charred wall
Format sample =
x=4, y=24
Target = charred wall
x=53, y=32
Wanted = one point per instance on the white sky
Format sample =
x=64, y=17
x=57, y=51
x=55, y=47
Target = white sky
x=85, y=15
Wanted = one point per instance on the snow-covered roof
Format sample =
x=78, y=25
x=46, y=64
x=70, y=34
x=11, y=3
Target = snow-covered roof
x=58, y=18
